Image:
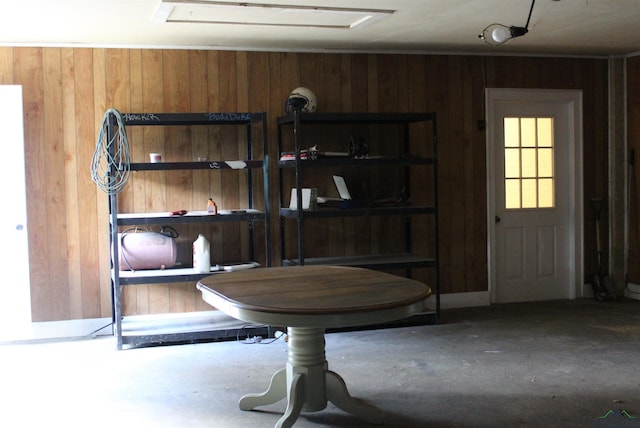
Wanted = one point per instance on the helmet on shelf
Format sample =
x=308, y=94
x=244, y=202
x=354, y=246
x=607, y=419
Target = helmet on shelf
x=301, y=99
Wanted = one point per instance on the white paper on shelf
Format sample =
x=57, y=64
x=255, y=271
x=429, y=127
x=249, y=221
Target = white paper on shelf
x=341, y=185
x=306, y=199
x=236, y=164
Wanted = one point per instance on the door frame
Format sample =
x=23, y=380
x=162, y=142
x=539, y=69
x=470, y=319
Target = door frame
x=15, y=317
x=572, y=99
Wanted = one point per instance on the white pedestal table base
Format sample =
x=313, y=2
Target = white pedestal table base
x=307, y=383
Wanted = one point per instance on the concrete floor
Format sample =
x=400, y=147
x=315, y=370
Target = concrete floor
x=553, y=364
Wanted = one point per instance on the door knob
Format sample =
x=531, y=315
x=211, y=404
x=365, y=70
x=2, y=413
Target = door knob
x=19, y=227
x=498, y=219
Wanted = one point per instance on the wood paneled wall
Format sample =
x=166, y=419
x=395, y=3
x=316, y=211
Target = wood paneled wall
x=68, y=90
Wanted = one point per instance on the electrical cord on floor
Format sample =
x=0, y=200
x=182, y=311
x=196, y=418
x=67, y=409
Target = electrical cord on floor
x=94, y=333
x=252, y=340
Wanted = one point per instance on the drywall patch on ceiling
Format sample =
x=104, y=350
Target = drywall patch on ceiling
x=266, y=14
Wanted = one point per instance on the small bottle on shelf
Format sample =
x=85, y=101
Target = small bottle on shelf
x=201, y=255
x=212, y=207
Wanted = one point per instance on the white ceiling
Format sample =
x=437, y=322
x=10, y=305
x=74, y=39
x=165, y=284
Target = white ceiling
x=564, y=27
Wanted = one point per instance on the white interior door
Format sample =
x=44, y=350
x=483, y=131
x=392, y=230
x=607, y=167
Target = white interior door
x=534, y=194
x=15, y=296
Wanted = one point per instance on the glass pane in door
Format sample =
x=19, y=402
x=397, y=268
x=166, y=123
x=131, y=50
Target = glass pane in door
x=528, y=162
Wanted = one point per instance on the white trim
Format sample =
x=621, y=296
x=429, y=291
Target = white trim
x=634, y=288
x=632, y=291
x=573, y=99
x=89, y=328
x=15, y=295
x=278, y=49
x=63, y=330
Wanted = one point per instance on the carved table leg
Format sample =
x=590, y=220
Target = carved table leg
x=338, y=394
x=277, y=391
x=295, y=403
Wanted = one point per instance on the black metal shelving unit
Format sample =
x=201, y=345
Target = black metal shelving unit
x=296, y=129
x=137, y=331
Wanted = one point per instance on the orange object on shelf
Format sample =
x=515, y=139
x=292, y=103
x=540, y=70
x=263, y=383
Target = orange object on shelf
x=212, y=207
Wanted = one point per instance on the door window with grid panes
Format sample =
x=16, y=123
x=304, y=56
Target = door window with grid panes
x=529, y=162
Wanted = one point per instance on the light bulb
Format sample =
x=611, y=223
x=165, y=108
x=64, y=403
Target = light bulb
x=500, y=34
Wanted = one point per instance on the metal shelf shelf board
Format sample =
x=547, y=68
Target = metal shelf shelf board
x=397, y=260
x=357, y=212
x=164, y=218
x=352, y=118
x=205, y=118
x=209, y=165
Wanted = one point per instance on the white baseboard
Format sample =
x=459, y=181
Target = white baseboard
x=634, y=288
x=59, y=330
x=88, y=328
x=632, y=291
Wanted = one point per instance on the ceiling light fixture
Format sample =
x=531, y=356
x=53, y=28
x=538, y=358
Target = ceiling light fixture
x=498, y=34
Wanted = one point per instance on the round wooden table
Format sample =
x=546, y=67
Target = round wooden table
x=307, y=300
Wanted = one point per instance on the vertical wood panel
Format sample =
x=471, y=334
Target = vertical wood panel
x=153, y=137
x=479, y=199
x=473, y=172
x=137, y=147
x=288, y=79
x=28, y=72
x=71, y=176
x=153, y=298
x=177, y=140
x=215, y=149
x=274, y=109
x=117, y=83
x=199, y=134
x=385, y=232
x=437, y=100
x=345, y=102
x=259, y=96
x=54, y=199
x=137, y=297
x=332, y=88
x=415, y=99
x=53, y=148
x=198, y=103
x=176, y=88
x=6, y=66
x=199, y=98
x=362, y=231
x=85, y=131
x=312, y=77
x=240, y=196
x=228, y=78
x=102, y=222
x=455, y=147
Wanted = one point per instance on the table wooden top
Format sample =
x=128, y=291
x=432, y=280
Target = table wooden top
x=327, y=296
